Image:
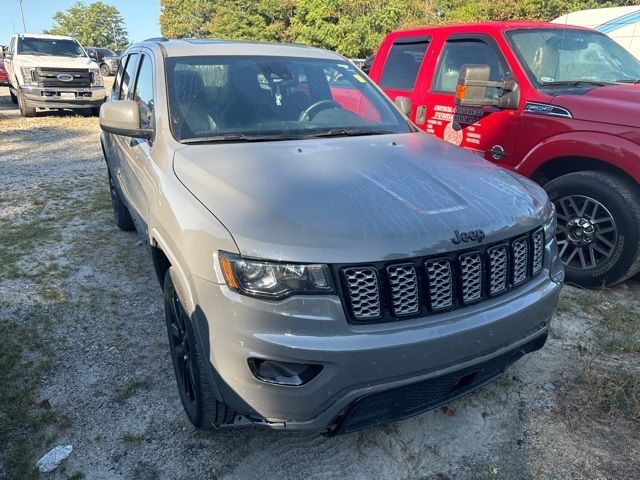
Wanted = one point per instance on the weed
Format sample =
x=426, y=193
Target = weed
x=132, y=387
x=623, y=330
x=615, y=393
x=133, y=439
x=145, y=471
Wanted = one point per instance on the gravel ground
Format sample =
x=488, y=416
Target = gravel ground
x=80, y=303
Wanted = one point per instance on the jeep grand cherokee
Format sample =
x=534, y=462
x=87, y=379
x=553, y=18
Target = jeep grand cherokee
x=325, y=265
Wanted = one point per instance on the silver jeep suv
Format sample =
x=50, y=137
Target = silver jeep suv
x=325, y=265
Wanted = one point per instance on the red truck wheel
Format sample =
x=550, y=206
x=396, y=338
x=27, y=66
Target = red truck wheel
x=598, y=227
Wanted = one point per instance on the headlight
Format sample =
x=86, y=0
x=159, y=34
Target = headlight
x=550, y=222
x=27, y=75
x=272, y=279
x=96, y=78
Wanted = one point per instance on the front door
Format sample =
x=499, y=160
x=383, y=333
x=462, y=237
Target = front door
x=488, y=132
x=137, y=166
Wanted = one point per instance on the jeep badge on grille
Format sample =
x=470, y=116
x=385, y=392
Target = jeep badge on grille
x=472, y=236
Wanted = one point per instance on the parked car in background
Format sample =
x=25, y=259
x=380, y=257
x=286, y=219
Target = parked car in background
x=105, y=58
x=558, y=104
x=366, y=65
x=50, y=71
x=4, y=79
x=362, y=272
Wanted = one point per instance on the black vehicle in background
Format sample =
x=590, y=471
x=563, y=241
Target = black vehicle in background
x=106, y=58
x=366, y=65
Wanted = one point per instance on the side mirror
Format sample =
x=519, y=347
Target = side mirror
x=122, y=117
x=473, y=83
x=404, y=104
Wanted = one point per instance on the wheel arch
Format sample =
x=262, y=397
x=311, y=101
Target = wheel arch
x=580, y=151
x=555, y=167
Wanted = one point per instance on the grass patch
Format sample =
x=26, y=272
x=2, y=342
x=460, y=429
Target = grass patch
x=145, y=471
x=132, y=439
x=623, y=330
x=132, y=387
x=26, y=428
x=612, y=393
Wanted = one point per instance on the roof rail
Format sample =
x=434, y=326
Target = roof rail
x=156, y=39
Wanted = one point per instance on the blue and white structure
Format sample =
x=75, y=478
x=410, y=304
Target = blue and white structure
x=620, y=23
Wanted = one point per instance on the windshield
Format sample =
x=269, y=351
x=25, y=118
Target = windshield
x=106, y=52
x=573, y=55
x=46, y=46
x=244, y=98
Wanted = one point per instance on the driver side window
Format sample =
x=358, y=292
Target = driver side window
x=457, y=53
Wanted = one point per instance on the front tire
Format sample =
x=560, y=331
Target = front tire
x=120, y=211
x=26, y=110
x=598, y=227
x=14, y=99
x=199, y=403
x=104, y=70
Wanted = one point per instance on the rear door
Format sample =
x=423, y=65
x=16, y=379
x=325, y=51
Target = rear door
x=488, y=132
x=400, y=74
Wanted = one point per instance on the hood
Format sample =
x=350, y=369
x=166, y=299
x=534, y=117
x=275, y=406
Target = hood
x=55, y=62
x=615, y=104
x=356, y=199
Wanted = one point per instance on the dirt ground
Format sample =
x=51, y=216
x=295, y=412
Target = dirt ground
x=84, y=359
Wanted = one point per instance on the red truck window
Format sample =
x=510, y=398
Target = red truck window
x=403, y=63
x=457, y=53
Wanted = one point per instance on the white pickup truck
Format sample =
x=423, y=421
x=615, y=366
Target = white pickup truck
x=50, y=71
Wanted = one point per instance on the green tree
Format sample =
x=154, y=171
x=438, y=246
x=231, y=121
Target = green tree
x=93, y=25
x=351, y=27
x=455, y=11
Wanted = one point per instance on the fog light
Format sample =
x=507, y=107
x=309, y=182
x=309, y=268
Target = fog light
x=283, y=373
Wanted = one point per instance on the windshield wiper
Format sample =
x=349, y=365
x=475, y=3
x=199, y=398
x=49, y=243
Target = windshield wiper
x=344, y=132
x=575, y=83
x=629, y=80
x=237, y=137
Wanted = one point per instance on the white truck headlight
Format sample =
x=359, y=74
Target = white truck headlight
x=96, y=77
x=27, y=76
x=274, y=280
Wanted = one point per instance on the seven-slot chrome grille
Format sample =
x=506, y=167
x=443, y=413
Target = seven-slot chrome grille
x=377, y=293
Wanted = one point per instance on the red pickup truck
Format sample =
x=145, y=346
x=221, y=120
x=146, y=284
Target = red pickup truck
x=558, y=104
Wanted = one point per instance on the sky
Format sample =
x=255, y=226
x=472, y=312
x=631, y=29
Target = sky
x=140, y=16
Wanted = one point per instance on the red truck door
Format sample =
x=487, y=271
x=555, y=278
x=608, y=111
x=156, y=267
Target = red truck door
x=399, y=75
x=491, y=133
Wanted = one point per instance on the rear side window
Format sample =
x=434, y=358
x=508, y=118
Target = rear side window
x=403, y=63
x=457, y=53
x=126, y=85
x=144, y=91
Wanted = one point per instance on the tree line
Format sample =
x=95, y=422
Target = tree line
x=353, y=28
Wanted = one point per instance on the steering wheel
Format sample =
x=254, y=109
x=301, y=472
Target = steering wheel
x=312, y=110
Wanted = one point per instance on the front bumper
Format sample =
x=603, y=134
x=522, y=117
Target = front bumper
x=51, y=97
x=358, y=360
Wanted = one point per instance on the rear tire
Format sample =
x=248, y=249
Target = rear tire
x=598, y=227
x=189, y=363
x=14, y=99
x=120, y=211
x=26, y=110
